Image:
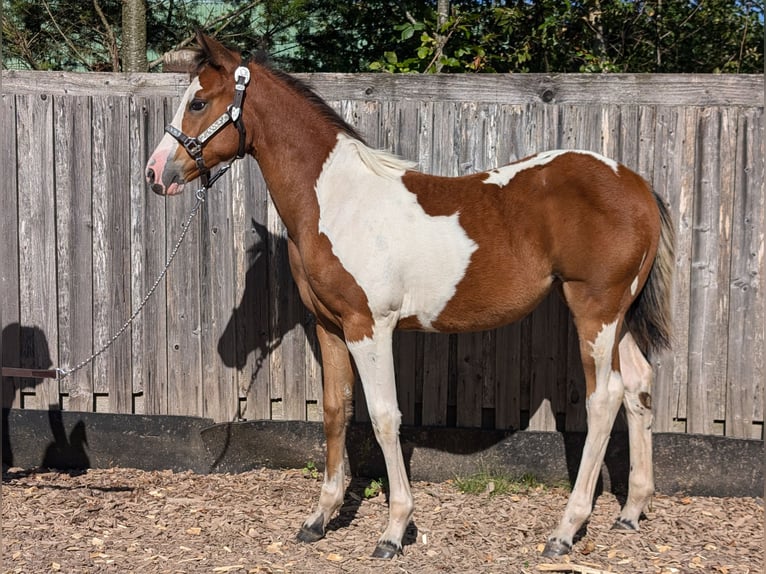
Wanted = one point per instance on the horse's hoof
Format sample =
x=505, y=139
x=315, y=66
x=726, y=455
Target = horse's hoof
x=386, y=550
x=555, y=547
x=311, y=532
x=624, y=524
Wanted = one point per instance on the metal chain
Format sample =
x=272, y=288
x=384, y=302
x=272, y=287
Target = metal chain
x=201, y=195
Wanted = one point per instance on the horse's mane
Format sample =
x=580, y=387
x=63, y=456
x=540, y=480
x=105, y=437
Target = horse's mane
x=200, y=60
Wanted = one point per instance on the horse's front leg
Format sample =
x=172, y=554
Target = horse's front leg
x=338, y=384
x=375, y=363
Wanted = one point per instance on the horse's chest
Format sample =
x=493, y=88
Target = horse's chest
x=405, y=260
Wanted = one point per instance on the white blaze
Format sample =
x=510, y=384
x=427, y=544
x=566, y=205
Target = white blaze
x=168, y=143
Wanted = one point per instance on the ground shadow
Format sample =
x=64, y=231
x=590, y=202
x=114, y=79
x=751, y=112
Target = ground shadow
x=66, y=453
x=27, y=347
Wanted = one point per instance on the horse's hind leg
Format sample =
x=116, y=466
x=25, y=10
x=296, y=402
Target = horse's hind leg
x=637, y=375
x=604, y=388
x=338, y=384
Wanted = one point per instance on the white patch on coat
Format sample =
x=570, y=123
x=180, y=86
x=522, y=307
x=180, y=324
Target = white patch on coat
x=634, y=285
x=601, y=351
x=602, y=347
x=406, y=261
x=502, y=175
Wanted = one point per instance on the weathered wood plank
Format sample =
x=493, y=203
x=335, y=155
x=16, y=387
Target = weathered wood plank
x=37, y=247
x=574, y=408
x=112, y=371
x=9, y=250
x=183, y=304
x=548, y=340
x=512, y=144
x=148, y=257
x=747, y=319
x=472, y=371
x=588, y=128
x=434, y=156
x=711, y=244
x=471, y=365
x=220, y=396
x=94, y=83
x=675, y=150
x=73, y=152
x=294, y=348
x=286, y=360
x=660, y=89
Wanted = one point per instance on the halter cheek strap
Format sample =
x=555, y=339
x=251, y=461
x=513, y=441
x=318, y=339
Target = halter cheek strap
x=233, y=114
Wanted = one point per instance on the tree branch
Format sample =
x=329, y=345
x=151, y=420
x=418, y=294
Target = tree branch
x=114, y=51
x=67, y=41
x=441, y=43
x=223, y=18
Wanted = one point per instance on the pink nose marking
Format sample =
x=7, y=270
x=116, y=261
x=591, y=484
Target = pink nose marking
x=155, y=167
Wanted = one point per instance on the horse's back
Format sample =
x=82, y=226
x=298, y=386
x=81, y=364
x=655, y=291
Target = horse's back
x=561, y=216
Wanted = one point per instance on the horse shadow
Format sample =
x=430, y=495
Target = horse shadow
x=243, y=334
x=250, y=329
x=28, y=347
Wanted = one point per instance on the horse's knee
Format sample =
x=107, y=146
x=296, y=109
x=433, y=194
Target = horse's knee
x=385, y=421
x=334, y=420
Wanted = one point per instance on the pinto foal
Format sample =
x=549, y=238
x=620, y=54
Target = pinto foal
x=376, y=246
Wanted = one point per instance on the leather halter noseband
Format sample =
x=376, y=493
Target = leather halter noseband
x=233, y=114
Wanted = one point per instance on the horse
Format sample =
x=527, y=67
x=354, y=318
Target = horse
x=375, y=245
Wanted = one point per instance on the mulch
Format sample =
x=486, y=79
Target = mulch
x=131, y=521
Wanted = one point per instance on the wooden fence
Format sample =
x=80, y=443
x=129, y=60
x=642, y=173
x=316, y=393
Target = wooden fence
x=226, y=337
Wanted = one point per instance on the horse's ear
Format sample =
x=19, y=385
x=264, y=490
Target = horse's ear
x=216, y=53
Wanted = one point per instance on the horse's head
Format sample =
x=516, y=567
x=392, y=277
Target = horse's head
x=207, y=128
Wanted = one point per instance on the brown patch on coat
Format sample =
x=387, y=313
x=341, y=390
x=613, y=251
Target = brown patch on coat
x=645, y=399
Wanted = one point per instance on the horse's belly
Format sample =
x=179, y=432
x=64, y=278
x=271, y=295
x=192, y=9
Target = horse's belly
x=479, y=307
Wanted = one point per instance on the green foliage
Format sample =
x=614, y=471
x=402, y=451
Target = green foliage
x=671, y=36
x=496, y=483
x=311, y=470
x=343, y=36
x=375, y=488
x=404, y=36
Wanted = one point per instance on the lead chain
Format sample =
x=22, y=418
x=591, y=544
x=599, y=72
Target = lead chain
x=201, y=195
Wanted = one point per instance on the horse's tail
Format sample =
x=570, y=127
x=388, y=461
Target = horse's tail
x=649, y=317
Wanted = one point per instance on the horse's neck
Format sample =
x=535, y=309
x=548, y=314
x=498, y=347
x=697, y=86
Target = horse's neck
x=292, y=141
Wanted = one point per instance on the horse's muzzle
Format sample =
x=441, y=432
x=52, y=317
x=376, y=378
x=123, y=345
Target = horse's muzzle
x=161, y=187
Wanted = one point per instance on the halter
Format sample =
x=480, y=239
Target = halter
x=233, y=114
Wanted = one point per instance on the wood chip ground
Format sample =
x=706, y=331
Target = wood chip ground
x=131, y=521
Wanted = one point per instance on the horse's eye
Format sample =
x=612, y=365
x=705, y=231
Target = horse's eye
x=197, y=105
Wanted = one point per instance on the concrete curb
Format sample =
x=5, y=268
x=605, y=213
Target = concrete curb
x=693, y=464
